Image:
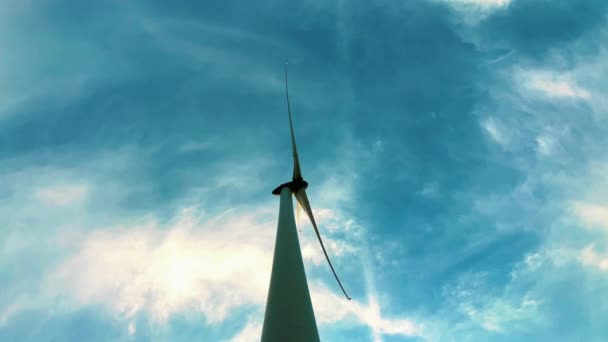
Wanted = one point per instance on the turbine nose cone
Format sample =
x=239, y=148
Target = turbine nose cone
x=298, y=184
x=294, y=186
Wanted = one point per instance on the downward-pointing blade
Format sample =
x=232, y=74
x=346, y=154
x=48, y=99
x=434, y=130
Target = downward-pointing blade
x=303, y=200
x=297, y=174
x=298, y=210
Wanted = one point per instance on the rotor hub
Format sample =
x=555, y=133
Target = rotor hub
x=294, y=186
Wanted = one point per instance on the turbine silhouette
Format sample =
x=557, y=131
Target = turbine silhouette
x=289, y=314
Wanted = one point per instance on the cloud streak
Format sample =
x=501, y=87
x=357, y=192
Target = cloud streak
x=61, y=195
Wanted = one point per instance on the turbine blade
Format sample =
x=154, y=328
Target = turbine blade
x=298, y=210
x=297, y=174
x=303, y=200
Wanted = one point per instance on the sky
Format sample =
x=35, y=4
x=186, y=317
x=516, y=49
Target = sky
x=455, y=150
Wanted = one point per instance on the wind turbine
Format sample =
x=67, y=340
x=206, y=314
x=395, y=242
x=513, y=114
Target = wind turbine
x=289, y=314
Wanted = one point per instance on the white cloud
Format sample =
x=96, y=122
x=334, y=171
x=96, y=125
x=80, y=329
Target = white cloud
x=590, y=257
x=430, y=190
x=481, y=3
x=330, y=308
x=311, y=249
x=210, y=265
x=592, y=214
x=17, y=305
x=545, y=145
x=337, y=188
x=473, y=11
x=229, y=174
x=496, y=131
x=62, y=195
x=132, y=329
x=501, y=314
x=551, y=84
x=165, y=270
x=558, y=88
x=250, y=333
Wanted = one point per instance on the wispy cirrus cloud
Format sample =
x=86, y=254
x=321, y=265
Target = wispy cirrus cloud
x=475, y=11
x=497, y=131
x=481, y=3
x=545, y=145
x=61, y=195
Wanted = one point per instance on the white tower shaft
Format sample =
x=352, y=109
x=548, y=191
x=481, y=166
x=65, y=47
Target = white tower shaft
x=289, y=314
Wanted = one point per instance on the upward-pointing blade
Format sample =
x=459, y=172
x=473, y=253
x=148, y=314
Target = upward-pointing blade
x=297, y=174
x=303, y=200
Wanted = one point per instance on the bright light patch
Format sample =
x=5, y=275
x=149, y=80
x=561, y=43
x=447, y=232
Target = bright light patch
x=552, y=84
x=592, y=214
x=330, y=308
x=558, y=88
x=590, y=257
x=212, y=268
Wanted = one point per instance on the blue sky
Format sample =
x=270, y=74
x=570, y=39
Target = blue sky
x=455, y=150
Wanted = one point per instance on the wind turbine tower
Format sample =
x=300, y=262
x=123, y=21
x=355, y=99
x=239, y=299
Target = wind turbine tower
x=289, y=313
